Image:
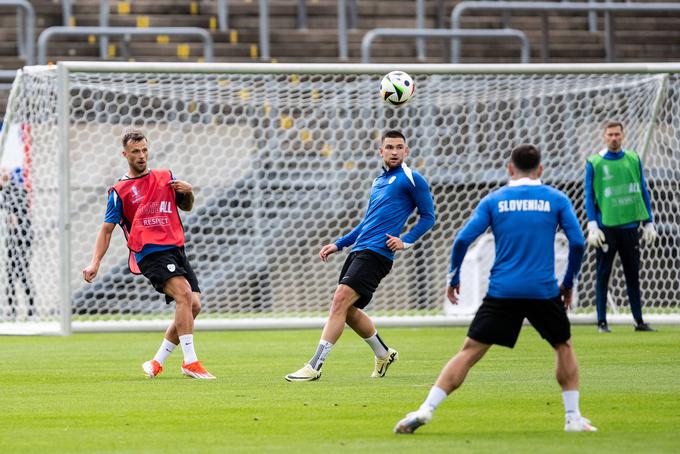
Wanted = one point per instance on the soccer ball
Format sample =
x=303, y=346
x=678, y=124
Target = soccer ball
x=397, y=88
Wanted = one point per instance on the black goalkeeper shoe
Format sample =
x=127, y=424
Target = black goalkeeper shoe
x=603, y=328
x=643, y=327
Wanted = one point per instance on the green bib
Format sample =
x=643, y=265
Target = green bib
x=617, y=189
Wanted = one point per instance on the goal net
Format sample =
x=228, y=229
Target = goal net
x=282, y=159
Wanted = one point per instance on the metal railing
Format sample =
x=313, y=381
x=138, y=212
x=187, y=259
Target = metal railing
x=6, y=78
x=66, y=12
x=544, y=7
x=51, y=32
x=25, y=28
x=222, y=21
x=371, y=35
x=347, y=15
x=302, y=14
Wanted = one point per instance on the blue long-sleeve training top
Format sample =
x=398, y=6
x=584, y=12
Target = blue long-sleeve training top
x=394, y=195
x=524, y=217
x=593, y=211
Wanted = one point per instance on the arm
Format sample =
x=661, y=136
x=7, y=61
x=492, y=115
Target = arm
x=350, y=238
x=478, y=223
x=596, y=236
x=342, y=242
x=645, y=195
x=425, y=207
x=569, y=224
x=591, y=209
x=184, y=194
x=101, y=245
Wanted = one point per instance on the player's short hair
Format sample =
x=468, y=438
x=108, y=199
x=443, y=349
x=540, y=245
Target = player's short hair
x=613, y=124
x=526, y=157
x=133, y=135
x=393, y=134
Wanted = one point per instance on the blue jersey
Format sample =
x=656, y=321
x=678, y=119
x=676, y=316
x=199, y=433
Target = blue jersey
x=524, y=217
x=114, y=213
x=394, y=195
x=592, y=210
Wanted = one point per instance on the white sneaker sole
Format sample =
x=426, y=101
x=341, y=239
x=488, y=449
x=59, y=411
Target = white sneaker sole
x=148, y=370
x=188, y=373
x=409, y=424
x=292, y=378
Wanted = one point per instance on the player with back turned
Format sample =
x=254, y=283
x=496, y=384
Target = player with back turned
x=144, y=203
x=523, y=216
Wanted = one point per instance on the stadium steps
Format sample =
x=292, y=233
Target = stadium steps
x=647, y=38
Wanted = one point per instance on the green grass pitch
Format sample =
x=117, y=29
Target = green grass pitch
x=86, y=393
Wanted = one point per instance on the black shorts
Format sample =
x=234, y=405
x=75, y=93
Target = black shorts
x=363, y=271
x=499, y=320
x=160, y=266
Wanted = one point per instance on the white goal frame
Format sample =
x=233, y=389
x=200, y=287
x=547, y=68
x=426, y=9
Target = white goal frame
x=66, y=326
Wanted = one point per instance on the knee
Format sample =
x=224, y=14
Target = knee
x=184, y=297
x=342, y=300
x=195, y=306
x=563, y=347
x=472, y=351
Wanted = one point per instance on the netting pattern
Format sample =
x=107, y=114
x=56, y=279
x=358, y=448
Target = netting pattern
x=29, y=203
x=282, y=164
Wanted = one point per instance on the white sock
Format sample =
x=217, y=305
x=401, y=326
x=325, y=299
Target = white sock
x=187, y=342
x=434, y=398
x=164, y=351
x=378, y=346
x=570, y=399
x=319, y=357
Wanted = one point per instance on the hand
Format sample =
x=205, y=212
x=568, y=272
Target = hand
x=453, y=293
x=327, y=250
x=566, y=294
x=394, y=243
x=649, y=234
x=181, y=186
x=90, y=272
x=595, y=236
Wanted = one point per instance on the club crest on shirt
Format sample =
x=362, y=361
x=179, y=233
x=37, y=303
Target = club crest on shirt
x=171, y=267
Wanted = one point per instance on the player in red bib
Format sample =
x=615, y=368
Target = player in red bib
x=144, y=203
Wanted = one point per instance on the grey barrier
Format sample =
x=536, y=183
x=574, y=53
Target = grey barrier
x=25, y=34
x=51, y=32
x=371, y=35
x=546, y=7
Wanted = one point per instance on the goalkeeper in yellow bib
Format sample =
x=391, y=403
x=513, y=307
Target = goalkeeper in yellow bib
x=617, y=200
x=144, y=203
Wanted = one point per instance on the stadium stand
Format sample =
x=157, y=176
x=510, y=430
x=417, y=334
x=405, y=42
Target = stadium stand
x=638, y=37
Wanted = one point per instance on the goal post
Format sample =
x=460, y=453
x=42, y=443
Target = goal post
x=282, y=158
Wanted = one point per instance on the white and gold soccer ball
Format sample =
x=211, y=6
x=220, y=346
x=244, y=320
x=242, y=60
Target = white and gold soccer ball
x=397, y=88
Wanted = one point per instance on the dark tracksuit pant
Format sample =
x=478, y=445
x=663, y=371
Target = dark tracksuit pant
x=625, y=241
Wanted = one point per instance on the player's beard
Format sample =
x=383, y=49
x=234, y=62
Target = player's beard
x=140, y=168
x=393, y=164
